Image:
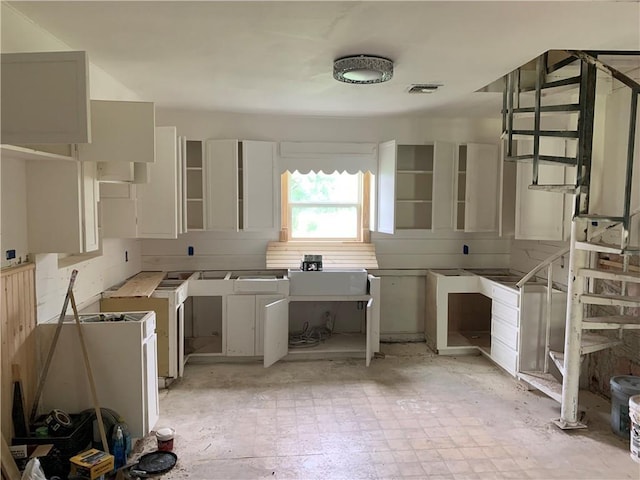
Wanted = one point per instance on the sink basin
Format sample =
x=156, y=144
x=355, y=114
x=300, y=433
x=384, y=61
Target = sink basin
x=328, y=282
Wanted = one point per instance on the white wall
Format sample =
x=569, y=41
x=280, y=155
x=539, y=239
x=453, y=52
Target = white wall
x=230, y=250
x=20, y=34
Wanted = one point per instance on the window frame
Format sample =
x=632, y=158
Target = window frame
x=363, y=234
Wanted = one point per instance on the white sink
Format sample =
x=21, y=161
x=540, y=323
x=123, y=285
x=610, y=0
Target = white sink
x=328, y=282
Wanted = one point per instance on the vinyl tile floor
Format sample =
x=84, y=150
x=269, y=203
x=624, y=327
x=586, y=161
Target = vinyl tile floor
x=411, y=414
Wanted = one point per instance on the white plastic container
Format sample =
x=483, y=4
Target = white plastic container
x=164, y=436
x=622, y=388
x=634, y=416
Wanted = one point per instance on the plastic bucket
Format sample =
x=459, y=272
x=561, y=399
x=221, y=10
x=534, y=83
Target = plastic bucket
x=164, y=436
x=634, y=415
x=622, y=387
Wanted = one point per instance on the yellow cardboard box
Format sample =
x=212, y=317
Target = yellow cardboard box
x=92, y=464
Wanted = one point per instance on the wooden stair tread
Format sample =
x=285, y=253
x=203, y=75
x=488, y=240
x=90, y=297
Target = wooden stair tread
x=545, y=382
x=593, y=343
x=141, y=285
x=611, y=300
x=599, y=247
x=613, y=322
x=610, y=274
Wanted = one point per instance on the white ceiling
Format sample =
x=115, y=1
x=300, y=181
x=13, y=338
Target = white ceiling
x=276, y=57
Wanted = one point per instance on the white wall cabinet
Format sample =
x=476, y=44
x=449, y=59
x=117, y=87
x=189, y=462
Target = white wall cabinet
x=150, y=210
x=415, y=186
x=45, y=98
x=194, y=174
x=137, y=172
x=542, y=215
x=476, y=192
x=159, y=202
x=241, y=185
x=120, y=132
x=61, y=206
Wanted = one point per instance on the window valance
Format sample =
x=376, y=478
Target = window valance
x=328, y=157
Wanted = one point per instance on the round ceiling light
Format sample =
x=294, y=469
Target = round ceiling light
x=362, y=69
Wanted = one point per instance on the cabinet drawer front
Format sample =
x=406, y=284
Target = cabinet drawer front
x=504, y=356
x=504, y=332
x=506, y=314
x=505, y=295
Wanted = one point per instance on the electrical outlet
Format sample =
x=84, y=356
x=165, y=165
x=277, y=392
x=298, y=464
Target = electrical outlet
x=11, y=254
x=465, y=249
x=126, y=256
x=190, y=251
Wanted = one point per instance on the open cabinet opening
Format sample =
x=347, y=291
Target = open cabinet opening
x=203, y=325
x=469, y=321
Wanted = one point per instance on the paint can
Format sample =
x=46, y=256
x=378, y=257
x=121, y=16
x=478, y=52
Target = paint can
x=164, y=436
x=634, y=416
x=622, y=387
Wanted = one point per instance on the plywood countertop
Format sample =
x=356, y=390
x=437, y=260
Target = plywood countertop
x=141, y=285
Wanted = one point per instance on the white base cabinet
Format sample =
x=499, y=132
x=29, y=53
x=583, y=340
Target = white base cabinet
x=123, y=363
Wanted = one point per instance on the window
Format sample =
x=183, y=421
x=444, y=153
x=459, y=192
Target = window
x=319, y=206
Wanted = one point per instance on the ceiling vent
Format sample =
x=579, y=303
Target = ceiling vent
x=424, y=87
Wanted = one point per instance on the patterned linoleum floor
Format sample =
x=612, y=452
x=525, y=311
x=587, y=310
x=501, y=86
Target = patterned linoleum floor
x=409, y=415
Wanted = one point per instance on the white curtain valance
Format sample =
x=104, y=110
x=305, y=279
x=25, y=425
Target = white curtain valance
x=328, y=157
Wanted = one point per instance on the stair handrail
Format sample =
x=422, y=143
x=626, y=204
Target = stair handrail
x=541, y=265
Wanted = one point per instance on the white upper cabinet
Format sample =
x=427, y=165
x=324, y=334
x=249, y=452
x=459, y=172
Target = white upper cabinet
x=158, y=201
x=120, y=132
x=118, y=210
x=387, y=154
x=477, y=190
x=45, y=98
x=221, y=185
x=61, y=206
x=124, y=172
x=260, y=186
x=241, y=186
x=541, y=215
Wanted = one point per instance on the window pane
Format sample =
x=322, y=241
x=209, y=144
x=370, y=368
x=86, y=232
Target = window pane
x=324, y=222
x=320, y=187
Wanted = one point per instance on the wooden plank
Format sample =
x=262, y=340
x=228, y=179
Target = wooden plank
x=18, y=323
x=141, y=285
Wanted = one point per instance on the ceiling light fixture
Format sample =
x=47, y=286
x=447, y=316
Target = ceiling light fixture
x=362, y=69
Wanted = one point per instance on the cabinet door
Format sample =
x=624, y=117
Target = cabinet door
x=89, y=207
x=221, y=185
x=45, y=98
x=54, y=206
x=261, y=302
x=260, y=186
x=120, y=132
x=118, y=210
x=373, y=319
x=481, y=199
x=276, y=331
x=387, y=153
x=151, y=402
x=158, y=200
x=241, y=321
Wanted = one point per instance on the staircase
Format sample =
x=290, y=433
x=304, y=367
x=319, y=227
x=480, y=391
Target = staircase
x=559, y=75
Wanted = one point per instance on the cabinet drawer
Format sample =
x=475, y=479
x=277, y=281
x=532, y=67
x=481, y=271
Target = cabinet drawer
x=507, y=314
x=504, y=332
x=504, y=356
x=505, y=295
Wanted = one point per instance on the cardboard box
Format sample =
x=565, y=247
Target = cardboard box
x=91, y=464
x=23, y=453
